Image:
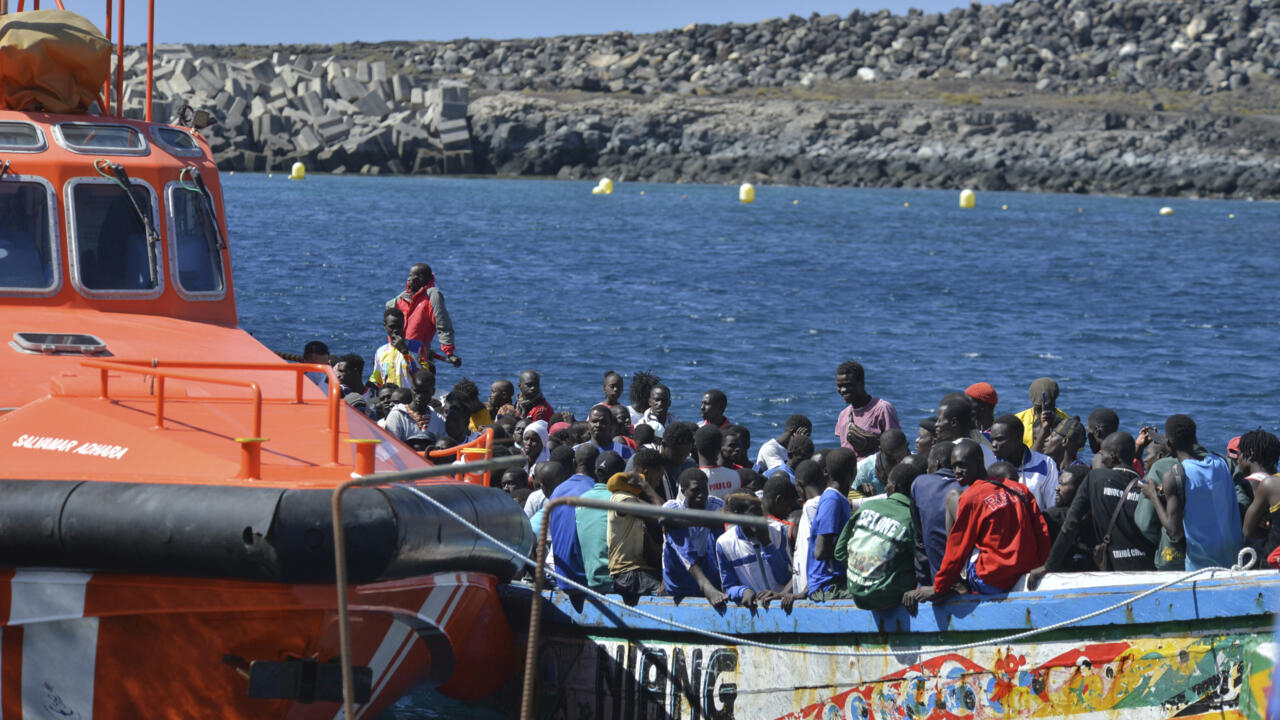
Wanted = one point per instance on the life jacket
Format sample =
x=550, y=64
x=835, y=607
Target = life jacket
x=419, y=316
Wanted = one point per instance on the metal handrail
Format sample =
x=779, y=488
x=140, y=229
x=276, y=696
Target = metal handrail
x=694, y=517
x=482, y=445
x=340, y=546
x=158, y=369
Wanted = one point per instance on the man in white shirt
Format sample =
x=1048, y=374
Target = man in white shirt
x=1037, y=471
x=658, y=416
x=773, y=453
x=721, y=480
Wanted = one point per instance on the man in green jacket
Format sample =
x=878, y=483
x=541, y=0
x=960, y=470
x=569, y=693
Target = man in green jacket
x=878, y=545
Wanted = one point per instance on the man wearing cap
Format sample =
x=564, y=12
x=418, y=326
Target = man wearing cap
x=983, y=397
x=1039, y=419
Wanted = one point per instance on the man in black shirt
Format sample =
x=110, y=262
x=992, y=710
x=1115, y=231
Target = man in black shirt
x=1110, y=483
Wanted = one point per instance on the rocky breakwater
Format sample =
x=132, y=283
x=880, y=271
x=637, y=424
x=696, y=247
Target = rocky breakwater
x=1133, y=97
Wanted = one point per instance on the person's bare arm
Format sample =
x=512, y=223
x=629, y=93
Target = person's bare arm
x=1258, y=510
x=824, y=547
x=709, y=590
x=1168, y=509
x=952, y=502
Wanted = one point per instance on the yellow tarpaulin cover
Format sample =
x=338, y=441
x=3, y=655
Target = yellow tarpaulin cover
x=51, y=60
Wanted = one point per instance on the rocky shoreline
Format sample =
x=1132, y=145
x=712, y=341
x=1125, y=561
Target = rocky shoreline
x=1147, y=97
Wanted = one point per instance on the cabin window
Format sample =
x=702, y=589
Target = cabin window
x=195, y=244
x=177, y=142
x=112, y=252
x=101, y=138
x=28, y=260
x=20, y=137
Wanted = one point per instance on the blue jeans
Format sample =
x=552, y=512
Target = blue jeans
x=977, y=583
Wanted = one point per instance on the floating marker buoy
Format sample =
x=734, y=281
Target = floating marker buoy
x=1004, y=207
x=270, y=175
x=747, y=193
x=606, y=186
x=1166, y=210
x=1232, y=216
x=1079, y=210
x=967, y=199
x=906, y=204
x=597, y=190
x=795, y=202
x=233, y=172
x=298, y=172
x=641, y=192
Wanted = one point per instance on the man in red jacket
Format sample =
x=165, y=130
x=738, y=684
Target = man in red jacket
x=424, y=312
x=999, y=534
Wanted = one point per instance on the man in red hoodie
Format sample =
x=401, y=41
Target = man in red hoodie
x=999, y=534
x=424, y=312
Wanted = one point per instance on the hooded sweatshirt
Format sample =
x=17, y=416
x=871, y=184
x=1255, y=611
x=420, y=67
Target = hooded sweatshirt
x=425, y=315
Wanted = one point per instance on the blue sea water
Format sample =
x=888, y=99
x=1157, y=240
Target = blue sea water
x=1144, y=313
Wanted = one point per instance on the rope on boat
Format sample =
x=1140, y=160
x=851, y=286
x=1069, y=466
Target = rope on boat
x=1244, y=561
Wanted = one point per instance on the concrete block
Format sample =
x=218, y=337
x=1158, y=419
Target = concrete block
x=261, y=70
x=277, y=106
x=378, y=71
x=235, y=114
x=400, y=88
x=333, y=128
x=349, y=89
x=223, y=100
x=453, y=91
x=306, y=141
x=185, y=68
x=289, y=76
x=313, y=104
x=453, y=110
x=417, y=97
x=319, y=86
x=362, y=72
x=167, y=52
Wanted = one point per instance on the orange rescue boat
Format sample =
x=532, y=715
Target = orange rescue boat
x=166, y=544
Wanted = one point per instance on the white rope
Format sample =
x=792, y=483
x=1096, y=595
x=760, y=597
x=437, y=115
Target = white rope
x=1242, y=564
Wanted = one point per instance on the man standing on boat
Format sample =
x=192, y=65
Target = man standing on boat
x=860, y=424
x=424, y=311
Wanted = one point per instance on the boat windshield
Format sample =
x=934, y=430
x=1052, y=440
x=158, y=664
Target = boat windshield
x=26, y=238
x=112, y=251
x=196, y=247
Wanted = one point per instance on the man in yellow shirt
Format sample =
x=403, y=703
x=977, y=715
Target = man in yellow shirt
x=1043, y=415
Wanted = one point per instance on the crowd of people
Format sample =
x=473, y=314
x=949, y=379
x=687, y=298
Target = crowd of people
x=974, y=502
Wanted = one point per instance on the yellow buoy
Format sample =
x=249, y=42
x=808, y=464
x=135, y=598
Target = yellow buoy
x=270, y=175
x=606, y=186
x=906, y=204
x=1166, y=210
x=1004, y=207
x=747, y=193
x=597, y=190
x=1231, y=216
x=641, y=192
x=967, y=199
x=1079, y=210
x=298, y=172
x=795, y=202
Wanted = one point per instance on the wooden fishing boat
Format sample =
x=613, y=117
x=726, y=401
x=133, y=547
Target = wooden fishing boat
x=166, y=544
x=1200, y=649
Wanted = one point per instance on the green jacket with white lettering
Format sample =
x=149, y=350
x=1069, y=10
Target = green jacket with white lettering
x=878, y=545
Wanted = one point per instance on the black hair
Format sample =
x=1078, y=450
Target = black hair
x=902, y=476
x=892, y=439
x=1181, y=432
x=940, y=454
x=612, y=373
x=853, y=370
x=401, y=395
x=677, y=434
x=1003, y=470
x=424, y=266
x=842, y=463
x=563, y=436
x=464, y=388
x=602, y=408
x=750, y=479
x=778, y=484
x=800, y=446
x=810, y=474
x=718, y=396
x=352, y=359
x=1105, y=419
x=563, y=454
x=707, y=441
x=646, y=458
x=956, y=405
x=1013, y=423
x=641, y=384
x=690, y=476
x=1078, y=470
x=930, y=424
x=584, y=457
x=660, y=385
x=798, y=421
x=742, y=503
x=1122, y=446
x=1261, y=447
x=315, y=347
x=643, y=434
x=741, y=431
x=392, y=311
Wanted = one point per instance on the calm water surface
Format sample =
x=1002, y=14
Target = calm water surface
x=1149, y=315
